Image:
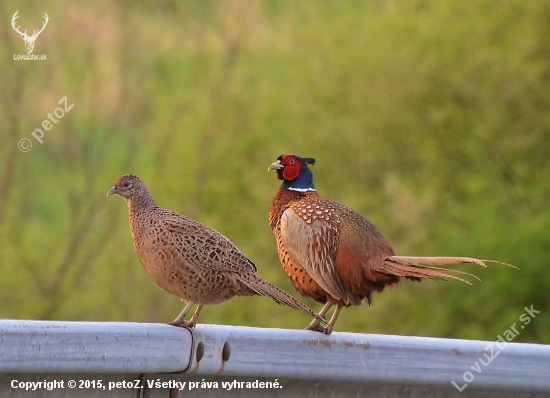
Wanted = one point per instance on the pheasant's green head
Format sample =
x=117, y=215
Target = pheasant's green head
x=294, y=172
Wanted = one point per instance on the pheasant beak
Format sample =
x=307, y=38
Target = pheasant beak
x=112, y=191
x=275, y=166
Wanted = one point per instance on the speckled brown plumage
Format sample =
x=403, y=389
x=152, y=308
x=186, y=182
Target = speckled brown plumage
x=331, y=253
x=189, y=259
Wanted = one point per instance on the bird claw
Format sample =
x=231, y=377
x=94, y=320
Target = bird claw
x=184, y=324
x=189, y=324
x=327, y=330
x=316, y=328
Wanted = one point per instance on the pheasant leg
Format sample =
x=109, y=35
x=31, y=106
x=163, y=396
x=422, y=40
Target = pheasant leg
x=328, y=329
x=193, y=321
x=179, y=320
x=315, y=324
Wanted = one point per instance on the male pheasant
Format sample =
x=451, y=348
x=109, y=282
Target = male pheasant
x=189, y=259
x=333, y=254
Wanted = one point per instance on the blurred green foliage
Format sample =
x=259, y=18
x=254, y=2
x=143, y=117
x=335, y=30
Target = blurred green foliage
x=430, y=118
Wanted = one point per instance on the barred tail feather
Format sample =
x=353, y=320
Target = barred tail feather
x=440, y=261
x=266, y=289
x=421, y=271
x=428, y=267
x=443, y=261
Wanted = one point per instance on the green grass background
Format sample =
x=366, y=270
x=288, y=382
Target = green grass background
x=432, y=119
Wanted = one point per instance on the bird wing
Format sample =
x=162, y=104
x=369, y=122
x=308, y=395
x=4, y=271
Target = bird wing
x=311, y=238
x=203, y=246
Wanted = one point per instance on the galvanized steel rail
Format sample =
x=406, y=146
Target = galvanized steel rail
x=47, y=349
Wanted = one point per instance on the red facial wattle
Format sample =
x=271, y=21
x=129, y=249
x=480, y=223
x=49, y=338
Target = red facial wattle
x=292, y=167
x=291, y=172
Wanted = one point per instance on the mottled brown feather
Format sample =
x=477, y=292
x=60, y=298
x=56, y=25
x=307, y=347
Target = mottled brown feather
x=334, y=245
x=188, y=259
x=334, y=255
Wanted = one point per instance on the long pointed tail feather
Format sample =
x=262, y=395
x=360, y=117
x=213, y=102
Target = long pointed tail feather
x=391, y=266
x=428, y=267
x=441, y=261
x=500, y=262
x=266, y=289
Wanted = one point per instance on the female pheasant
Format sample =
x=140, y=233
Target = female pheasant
x=189, y=259
x=333, y=254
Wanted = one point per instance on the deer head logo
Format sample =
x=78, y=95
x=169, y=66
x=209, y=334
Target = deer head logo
x=29, y=40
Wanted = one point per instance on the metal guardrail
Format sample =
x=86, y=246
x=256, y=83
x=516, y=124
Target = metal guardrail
x=291, y=360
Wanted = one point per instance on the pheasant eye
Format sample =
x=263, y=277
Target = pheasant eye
x=291, y=161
